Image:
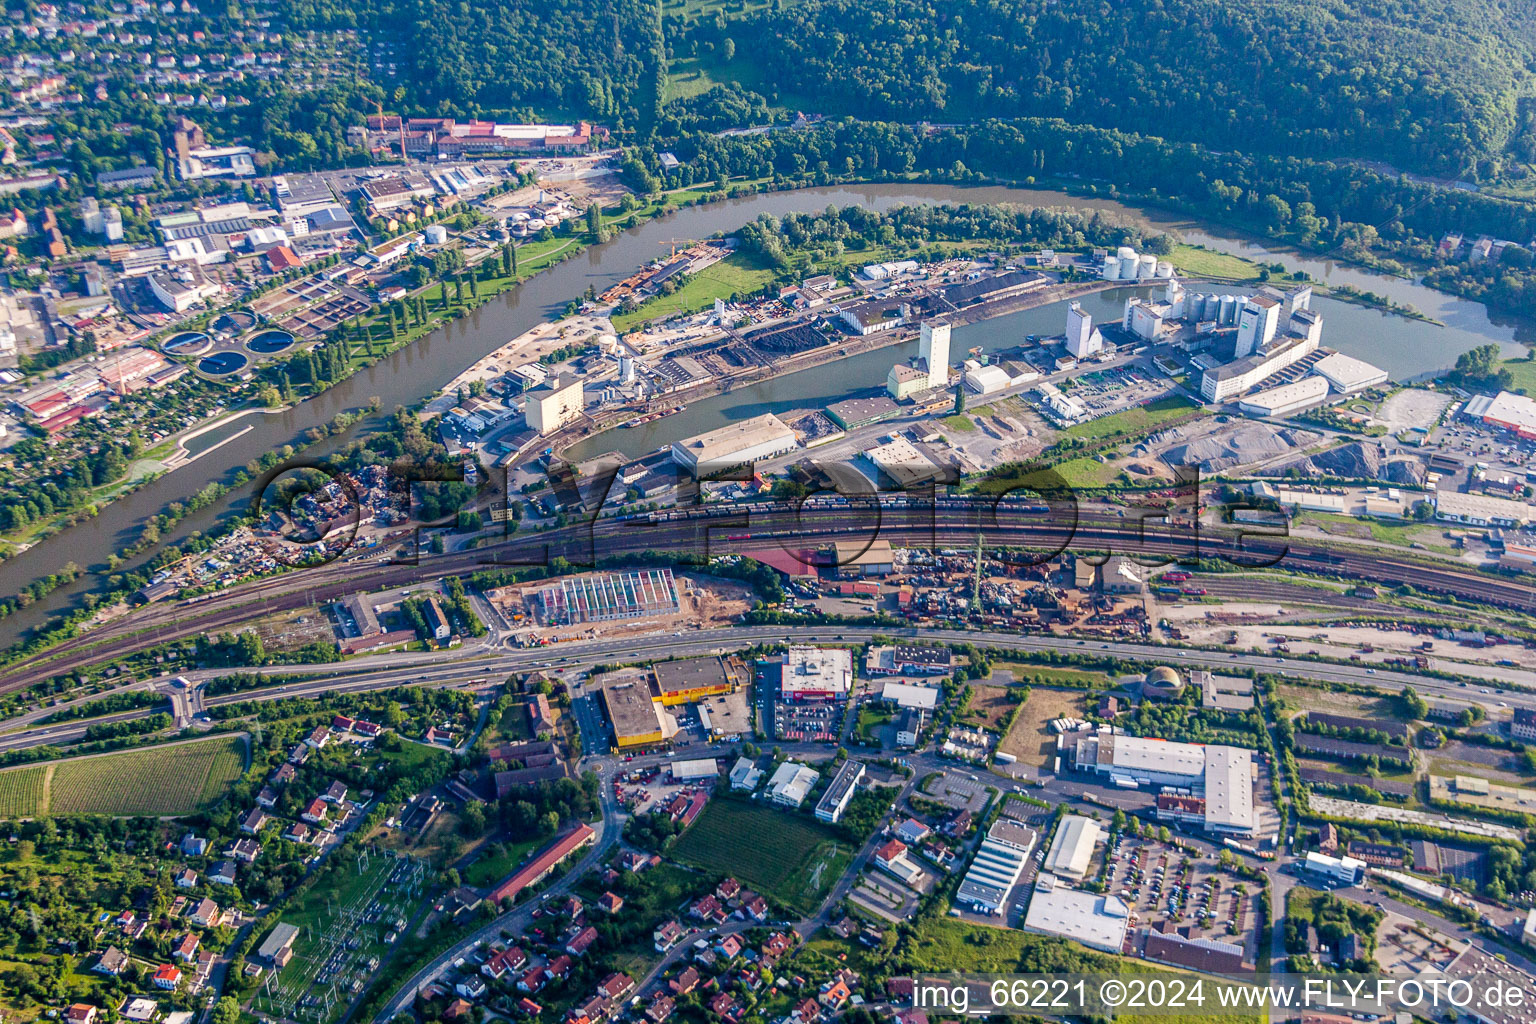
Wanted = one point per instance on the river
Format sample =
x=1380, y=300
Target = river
x=1407, y=348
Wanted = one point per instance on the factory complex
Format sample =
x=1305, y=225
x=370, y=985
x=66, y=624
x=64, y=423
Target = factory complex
x=1221, y=776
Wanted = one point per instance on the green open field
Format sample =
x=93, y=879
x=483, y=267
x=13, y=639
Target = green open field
x=790, y=857
x=736, y=274
x=1194, y=259
x=491, y=867
x=178, y=778
x=944, y=944
x=1524, y=371
x=1134, y=422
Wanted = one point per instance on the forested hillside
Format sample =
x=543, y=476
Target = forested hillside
x=1424, y=85
x=1427, y=85
x=601, y=59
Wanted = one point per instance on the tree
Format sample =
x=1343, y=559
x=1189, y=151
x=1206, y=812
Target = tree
x=226, y=1011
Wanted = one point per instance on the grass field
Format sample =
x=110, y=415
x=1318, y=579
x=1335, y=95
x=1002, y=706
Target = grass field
x=1194, y=259
x=1524, y=371
x=1031, y=739
x=491, y=867
x=736, y=274
x=21, y=791
x=175, y=779
x=1087, y=473
x=1133, y=422
x=960, y=422
x=792, y=858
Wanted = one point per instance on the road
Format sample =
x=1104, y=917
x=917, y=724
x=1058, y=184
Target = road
x=481, y=663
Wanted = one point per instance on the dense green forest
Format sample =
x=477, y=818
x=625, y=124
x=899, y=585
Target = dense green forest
x=601, y=59
x=1425, y=85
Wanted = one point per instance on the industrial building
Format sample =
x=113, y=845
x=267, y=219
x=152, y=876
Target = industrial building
x=1337, y=870
x=554, y=404
x=1083, y=339
x=1346, y=374
x=633, y=709
x=844, y=784
x=761, y=437
x=1481, y=509
x=902, y=461
x=910, y=695
x=908, y=660
x=853, y=413
x=997, y=866
x=1287, y=398
x=694, y=769
x=933, y=351
x=745, y=775
x=1222, y=774
x=277, y=948
x=1515, y=413
x=872, y=317
x=1228, y=380
x=792, y=783
x=1098, y=922
x=1072, y=850
x=1197, y=954
x=691, y=679
x=608, y=596
x=816, y=673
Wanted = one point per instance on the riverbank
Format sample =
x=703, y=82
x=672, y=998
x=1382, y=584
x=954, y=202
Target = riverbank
x=417, y=370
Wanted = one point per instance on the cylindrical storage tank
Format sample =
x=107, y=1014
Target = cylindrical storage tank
x=436, y=234
x=1111, y=271
x=1125, y=252
x=520, y=229
x=1164, y=269
x=1147, y=268
x=607, y=343
x=1209, y=308
x=537, y=224
x=519, y=217
x=1228, y=310
x=1129, y=267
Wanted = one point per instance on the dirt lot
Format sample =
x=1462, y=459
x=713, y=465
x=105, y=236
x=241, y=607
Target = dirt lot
x=988, y=706
x=1308, y=698
x=1031, y=739
x=1457, y=758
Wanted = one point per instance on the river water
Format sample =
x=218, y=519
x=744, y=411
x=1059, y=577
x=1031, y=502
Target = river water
x=1406, y=348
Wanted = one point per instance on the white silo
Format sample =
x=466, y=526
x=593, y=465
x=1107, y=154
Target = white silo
x=1130, y=266
x=1147, y=269
x=626, y=369
x=1125, y=252
x=1111, y=271
x=1164, y=269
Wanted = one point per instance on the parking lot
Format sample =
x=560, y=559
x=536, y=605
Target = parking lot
x=818, y=722
x=1109, y=391
x=1185, y=886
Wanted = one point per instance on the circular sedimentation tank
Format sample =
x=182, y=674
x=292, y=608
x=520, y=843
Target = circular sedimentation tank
x=221, y=364
x=268, y=342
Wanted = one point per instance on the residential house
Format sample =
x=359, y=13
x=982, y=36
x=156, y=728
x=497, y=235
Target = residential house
x=616, y=986
x=502, y=961
x=204, y=914
x=268, y=796
x=112, y=961
x=186, y=947
x=667, y=935
x=167, y=976
x=610, y=903
x=316, y=812
x=187, y=879
x=80, y=1013
x=582, y=942
x=686, y=981
x=223, y=873
x=244, y=850
x=335, y=793
x=252, y=823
